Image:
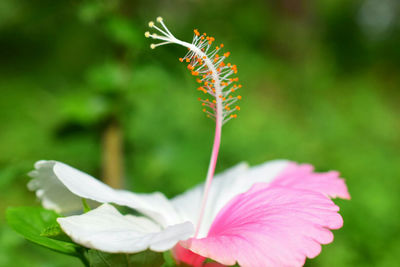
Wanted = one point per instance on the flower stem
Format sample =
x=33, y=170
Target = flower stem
x=210, y=174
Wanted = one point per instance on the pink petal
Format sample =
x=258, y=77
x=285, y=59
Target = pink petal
x=269, y=226
x=183, y=255
x=303, y=177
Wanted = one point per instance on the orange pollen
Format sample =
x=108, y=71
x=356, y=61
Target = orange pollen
x=221, y=45
x=204, y=110
x=198, y=80
x=195, y=73
x=232, y=90
x=187, y=60
x=196, y=32
x=181, y=59
x=227, y=54
x=237, y=108
x=239, y=97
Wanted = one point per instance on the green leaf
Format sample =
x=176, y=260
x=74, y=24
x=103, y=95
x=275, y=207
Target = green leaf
x=55, y=232
x=144, y=259
x=37, y=225
x=52, y=230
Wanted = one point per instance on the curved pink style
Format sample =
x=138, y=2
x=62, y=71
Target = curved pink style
x=210, y=173
x=269, y=226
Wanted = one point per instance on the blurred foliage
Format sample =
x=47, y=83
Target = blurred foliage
x=321, y=85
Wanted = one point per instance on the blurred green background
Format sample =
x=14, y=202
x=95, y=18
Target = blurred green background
x=321, y=83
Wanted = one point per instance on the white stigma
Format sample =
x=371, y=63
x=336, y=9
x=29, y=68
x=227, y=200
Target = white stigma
x=208, y=66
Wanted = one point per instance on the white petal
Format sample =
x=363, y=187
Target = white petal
x=225, y=186
x=49, y=189
x=105, y=229
x=53, y=178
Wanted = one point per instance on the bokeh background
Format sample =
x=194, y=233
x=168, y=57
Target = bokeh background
x=79, y=84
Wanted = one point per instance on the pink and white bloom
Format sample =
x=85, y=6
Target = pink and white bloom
x=274, y=214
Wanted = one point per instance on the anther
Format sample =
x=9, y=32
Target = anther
x=159, y=19
x=147, y=34
x=151, y=24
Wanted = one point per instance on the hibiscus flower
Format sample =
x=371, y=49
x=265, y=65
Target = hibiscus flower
x=275, y=214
